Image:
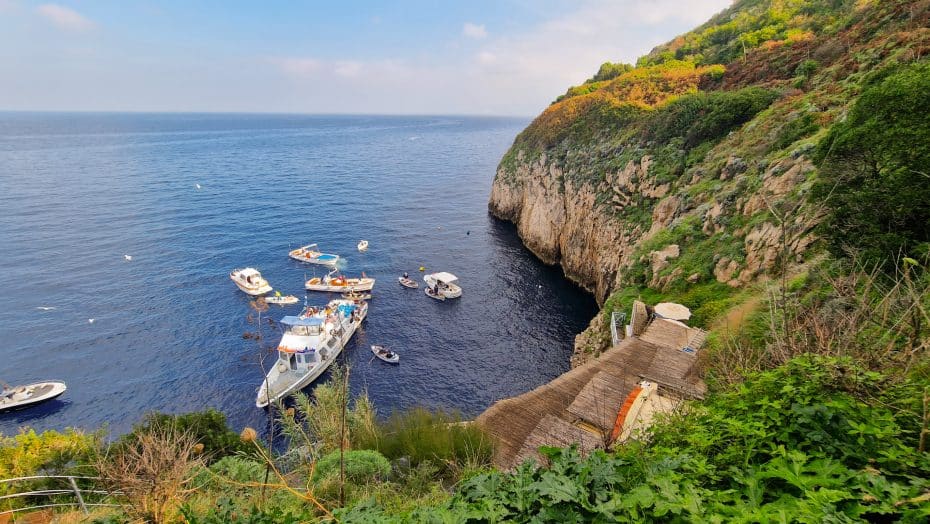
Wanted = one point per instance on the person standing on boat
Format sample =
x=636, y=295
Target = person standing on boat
x=406, y=276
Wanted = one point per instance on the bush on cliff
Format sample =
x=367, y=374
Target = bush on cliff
x=206, y=427
x=875, y=171
x=704, y=116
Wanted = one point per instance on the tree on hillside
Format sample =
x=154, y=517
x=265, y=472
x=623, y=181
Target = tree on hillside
x=609, y=70
x=875, y=170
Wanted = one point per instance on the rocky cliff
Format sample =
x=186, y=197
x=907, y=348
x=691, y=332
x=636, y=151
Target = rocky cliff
x=687, y=176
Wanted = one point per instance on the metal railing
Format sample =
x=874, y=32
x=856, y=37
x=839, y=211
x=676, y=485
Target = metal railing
x=70, y=487
x=616, y=318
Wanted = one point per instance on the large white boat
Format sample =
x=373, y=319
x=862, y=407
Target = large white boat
x=442, y=285
x=339, y=283
x=250, y=281
x=311, y=343
x=312, y=255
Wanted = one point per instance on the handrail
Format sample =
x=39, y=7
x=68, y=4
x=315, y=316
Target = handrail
x=50, y=477
x=72, y=489
x=616, y=318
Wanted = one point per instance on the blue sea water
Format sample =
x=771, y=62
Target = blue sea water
x=80, y=191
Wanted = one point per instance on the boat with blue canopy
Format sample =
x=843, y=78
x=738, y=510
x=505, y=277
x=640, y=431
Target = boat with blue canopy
x=312, y=255
x=310, y=344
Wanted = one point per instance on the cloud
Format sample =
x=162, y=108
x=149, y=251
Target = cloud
x=300, y=67
x=65, y=18
x=347, y=68
x=475, y=31
x=486, y=57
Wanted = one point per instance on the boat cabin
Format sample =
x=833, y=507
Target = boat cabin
x=301, y=358
x=250, y=276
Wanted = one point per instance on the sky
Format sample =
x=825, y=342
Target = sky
x=482, y=57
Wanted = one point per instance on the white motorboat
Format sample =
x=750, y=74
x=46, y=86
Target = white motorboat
x=282, y=300
x=312, y=255
x=23, y=396
x=442, y=284
x=339, y=283
x=385, y=354
x=250, y=281
x=363, y=246
x=311, y=343
x=408, y=282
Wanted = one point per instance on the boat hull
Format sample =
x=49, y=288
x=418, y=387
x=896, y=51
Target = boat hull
x=352, y=285
x=255, y=292
x=323, y=259
x=377, y=352
x=282, y=301
x=429, y=292
x=408, y=283
x=31, y=394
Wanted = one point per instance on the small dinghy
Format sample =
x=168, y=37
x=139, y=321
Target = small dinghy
x=356, y=296
x=385, y=354
x=282, y=300
x=408, y=282
x=363, y=246
x=30, y=394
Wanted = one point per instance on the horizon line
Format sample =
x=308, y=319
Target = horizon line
x=255, y=113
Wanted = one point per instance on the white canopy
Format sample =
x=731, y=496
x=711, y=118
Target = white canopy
x=445, y=278
x=672, y=311
x=249, y=272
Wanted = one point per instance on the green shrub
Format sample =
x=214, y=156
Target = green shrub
x=226, y=510
x=207, y=427
x=609, y=71
x=700, y=117
x=361, y=466
x=875, y=179
x=421, y=435
x=230, y=468
x=807, y=68
x=795, y=129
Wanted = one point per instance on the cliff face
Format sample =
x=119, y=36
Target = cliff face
x=559, y=222
x=686, y=177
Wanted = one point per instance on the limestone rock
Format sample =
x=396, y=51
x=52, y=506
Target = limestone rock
x=659, y=259
x=734, y=166
x=725, y=270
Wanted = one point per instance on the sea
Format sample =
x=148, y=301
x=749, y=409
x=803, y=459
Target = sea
x=190, y=197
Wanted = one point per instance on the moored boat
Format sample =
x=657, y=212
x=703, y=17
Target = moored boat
x=339, y=283
x=408, y=282
x=310, y=344
x=312, y=255
x=442, y=284
x=24, y=396
x=282, y=300
x=356, y=295
x=250, y=281
x=385, y=354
